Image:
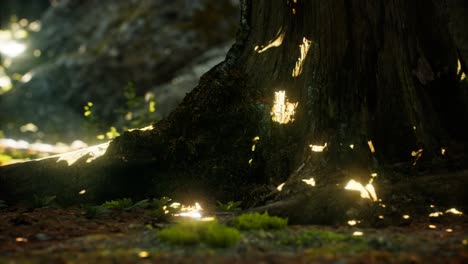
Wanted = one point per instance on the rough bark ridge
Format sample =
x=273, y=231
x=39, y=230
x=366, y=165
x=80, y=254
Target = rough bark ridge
x=359, y=71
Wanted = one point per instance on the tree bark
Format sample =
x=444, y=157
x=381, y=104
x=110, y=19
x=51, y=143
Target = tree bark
x=369, y=81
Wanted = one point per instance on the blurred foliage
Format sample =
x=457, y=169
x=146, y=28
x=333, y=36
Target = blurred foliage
x=136, y=112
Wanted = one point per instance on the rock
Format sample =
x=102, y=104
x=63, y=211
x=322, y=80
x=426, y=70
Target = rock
x=91, y=50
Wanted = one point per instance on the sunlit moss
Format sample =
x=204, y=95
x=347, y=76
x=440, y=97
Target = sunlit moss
x=256, y=221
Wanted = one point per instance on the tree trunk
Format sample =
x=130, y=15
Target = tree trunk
x=365, y=84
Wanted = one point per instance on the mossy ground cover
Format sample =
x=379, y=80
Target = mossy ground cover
x=57, y=235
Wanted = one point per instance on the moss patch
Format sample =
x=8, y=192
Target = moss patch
x=256, y=221
x=191, y=232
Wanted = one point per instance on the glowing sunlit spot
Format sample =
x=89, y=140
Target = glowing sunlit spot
x=250, y=162
x=371, y=146
x=304, y=49
x=432, y=226
x=432, y=206
x=358, y=233
x=465, y=242
x=5, y=84
x=20, y=34
x=29, y=127
x=381, y=217
x=21, y=239
x=255, y=139
x=191, y=211
x=294, y=11
x=453, y=211
x=406, y=216
x=11, y=48
x=207, y=219
x=352, y=222
x=383, y=205
x=442, y=151
x=143, y=254
x=367, y=192
x=94, y=152
x=35, y=26
x=351, y=146
x=459, y=71
x=374, y=174
x=37, y=53
x=414, y=127
x=449, y=230
x=253, y=147
x=23, y=22
x=370, y=188
x=152, y=106
x=283, y=111
x=436, y=214
x=318, y=148
x=310, y=181
x=26, y=77
x=417, y=154
x=82, y=192
x=280, y=187
x=272, y=43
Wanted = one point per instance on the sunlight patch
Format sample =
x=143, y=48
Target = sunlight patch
x=310, y=181
x=304, y=49
x=94, y=152
x=189, y=211
x=367, y=192
x=460, y=72
x=453, y=211
x=11, y=48
x=283, y=111
x=318, y=148
x=280, y=187
x=272, y=43
x=371, y=146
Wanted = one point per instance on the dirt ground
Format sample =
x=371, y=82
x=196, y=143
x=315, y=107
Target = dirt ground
x=51, y=235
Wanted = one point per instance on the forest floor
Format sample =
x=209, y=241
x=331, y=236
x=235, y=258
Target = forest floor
x=66, y=235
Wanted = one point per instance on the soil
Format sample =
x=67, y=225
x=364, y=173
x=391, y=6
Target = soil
x=66, y=235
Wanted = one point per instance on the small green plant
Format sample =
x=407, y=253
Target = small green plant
x=42, y=201
x=230, y=206
x=256, y=221
x=94, y=211
x=193, y=232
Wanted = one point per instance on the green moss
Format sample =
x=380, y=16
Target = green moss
x=256, y=221
x=190, y=233
x=327, y=242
